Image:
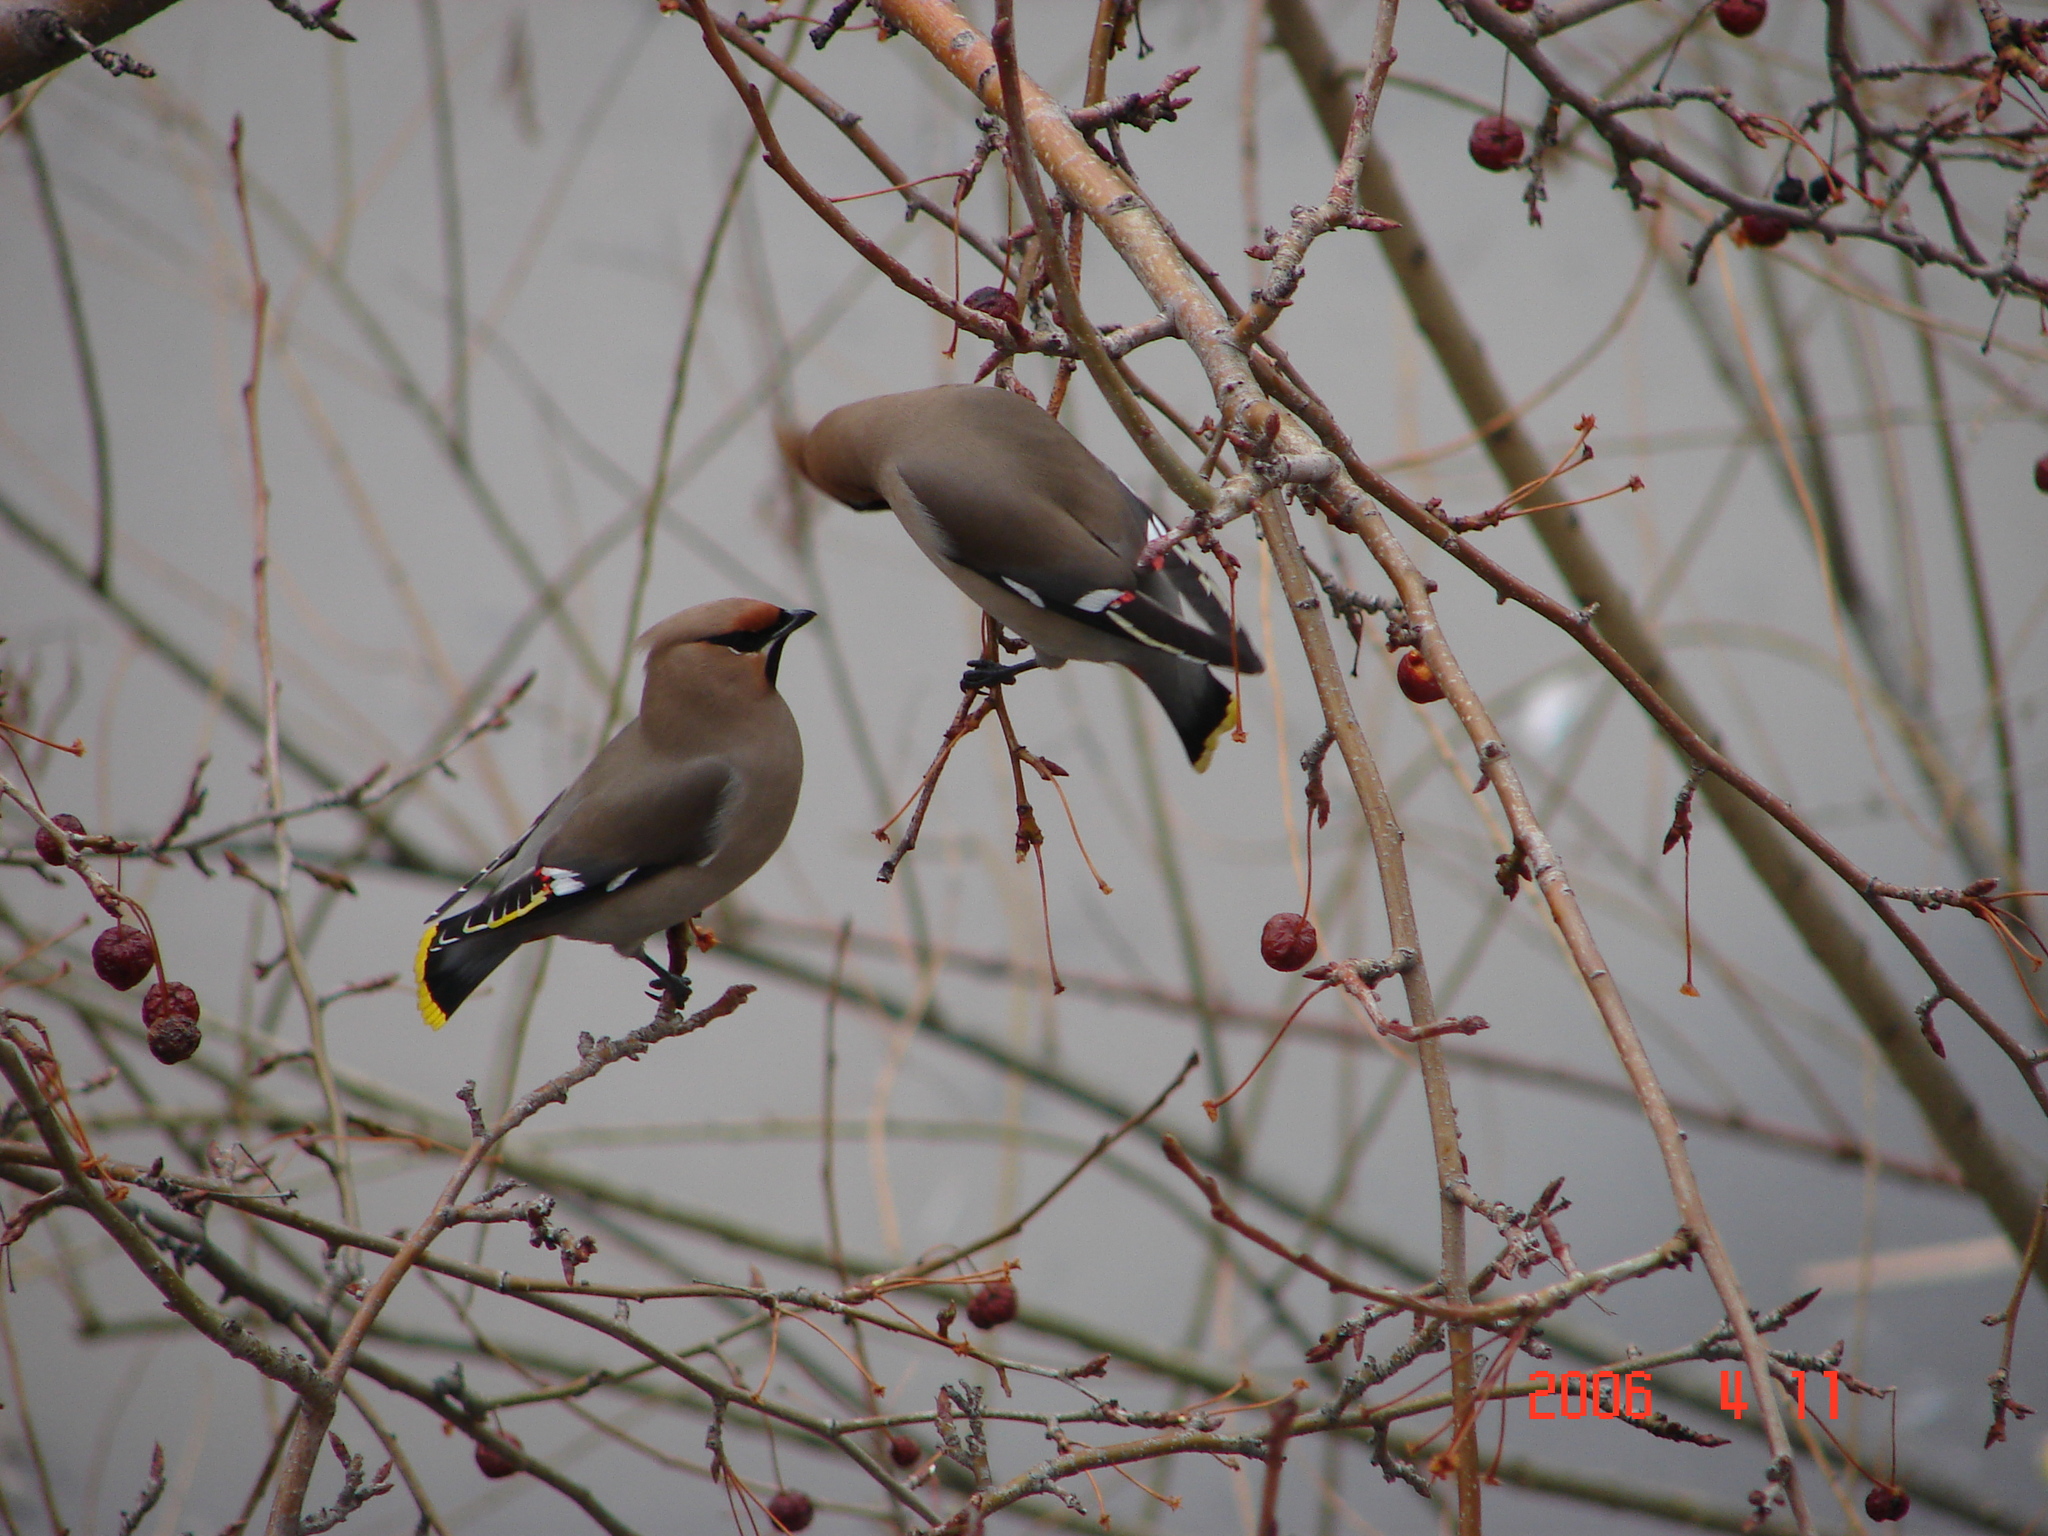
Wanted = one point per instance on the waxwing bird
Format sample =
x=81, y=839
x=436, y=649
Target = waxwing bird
x=676, y=811
x=1043, y=535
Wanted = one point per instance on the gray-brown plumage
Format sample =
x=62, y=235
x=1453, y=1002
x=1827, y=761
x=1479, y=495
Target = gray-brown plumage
x=677, y=810
x=1043, y=536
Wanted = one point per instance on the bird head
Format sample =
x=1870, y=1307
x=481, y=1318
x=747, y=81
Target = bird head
x=731, y=647
x=836, y=455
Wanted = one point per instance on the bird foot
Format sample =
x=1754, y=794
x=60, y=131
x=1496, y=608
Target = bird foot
x=675, y=992
x=992, y=674
x=667, y=986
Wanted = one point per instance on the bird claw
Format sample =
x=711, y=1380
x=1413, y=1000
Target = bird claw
x=668, y=986
x=991, y=674
x=676, y=990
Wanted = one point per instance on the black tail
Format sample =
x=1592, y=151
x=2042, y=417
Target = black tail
x=1200, y=707
x=452, y=964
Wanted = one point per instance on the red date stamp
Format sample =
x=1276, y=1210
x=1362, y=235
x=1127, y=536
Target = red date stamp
x=1610, y=1395
x=1603, y=1395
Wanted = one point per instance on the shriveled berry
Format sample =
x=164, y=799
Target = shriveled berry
x=1885, y=1503
x=1739, y=18
x=169, y=999
x=790, y=1510
x=173, y=1039
x=993, y=1305
x=995, y=302
x=1821, y=192
x=904, y=1451
x=1496, y=143
x=1418, y=683
x=2041, y=473
x=47, y=847
x=493, y=1462
x=1288, y=942
x=1762, y=229
x=122, y=956
x=1791, y=192
x=170, y=1015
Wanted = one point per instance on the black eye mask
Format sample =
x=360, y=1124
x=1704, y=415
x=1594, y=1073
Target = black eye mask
x=770, y=639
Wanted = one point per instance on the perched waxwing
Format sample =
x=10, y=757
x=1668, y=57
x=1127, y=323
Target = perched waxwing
x=680, y=807
x=1043, y=535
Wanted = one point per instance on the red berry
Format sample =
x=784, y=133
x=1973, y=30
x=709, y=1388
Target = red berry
x=1289, y=941
x=1884, y=1503
x=1761, y=229
x=1496, y=143
x=47, y=847
x=1739, y=18
x=1517, y=7
x=790, y=1510
x=2041, y=473
x=122, y=956
x=993, y=1305
x=493, y=1462
x=1418, y=683
x=904, y=1451
x=170, y=1014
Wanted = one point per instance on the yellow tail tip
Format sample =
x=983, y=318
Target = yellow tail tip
x=1223, y=728
x=430, y=1010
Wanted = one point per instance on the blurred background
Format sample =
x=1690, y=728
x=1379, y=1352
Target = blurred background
x=537, y=312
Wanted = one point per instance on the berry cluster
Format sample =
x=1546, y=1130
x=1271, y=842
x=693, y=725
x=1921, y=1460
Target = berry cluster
x=124, y=955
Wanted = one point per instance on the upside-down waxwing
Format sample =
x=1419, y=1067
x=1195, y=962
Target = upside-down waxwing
x=1043, y=535
x=677, y=810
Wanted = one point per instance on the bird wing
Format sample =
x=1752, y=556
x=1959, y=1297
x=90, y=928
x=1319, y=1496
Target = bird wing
x=644, y=815
x=1068, y=549
x=1178, y=581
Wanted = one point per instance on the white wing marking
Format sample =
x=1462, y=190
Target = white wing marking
x=1096, y=602
x=1138, y=634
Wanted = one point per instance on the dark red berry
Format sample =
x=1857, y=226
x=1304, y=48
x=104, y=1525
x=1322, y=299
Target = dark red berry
x=1288, y=942
x=1884, y=1503
x=1739, y=18
x=996, y=303
x=1418, y=683
x=1496, y=143
x=169, y=999
x=1517, y=7
x=904, y=1451
x=47, y=847
x=2041, y=473
x=790, y=1510
x=122, y=956
x=1761, y=229
x=170, y=1014
x=493, y=1462
x=993, y=1305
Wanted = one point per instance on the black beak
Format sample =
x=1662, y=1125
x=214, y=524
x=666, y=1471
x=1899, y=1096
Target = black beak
x=792, y=620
